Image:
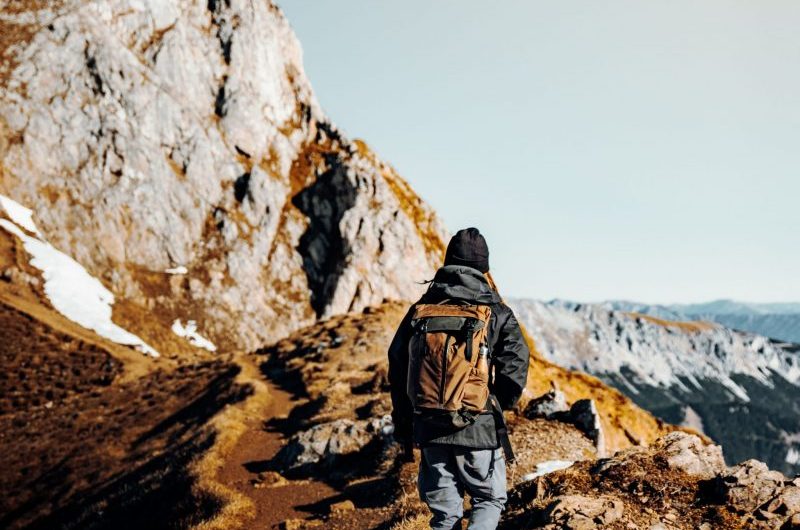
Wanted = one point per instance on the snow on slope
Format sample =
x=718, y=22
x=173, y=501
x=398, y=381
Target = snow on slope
x=596, y=340
x=190, y=332
x=73, y=292
x=545, y=468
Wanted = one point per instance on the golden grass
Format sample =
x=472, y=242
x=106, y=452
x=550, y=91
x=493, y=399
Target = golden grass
x=688, y=326
x=624, y=423
x=415, y=522
x=230, y=425
x=411, y=204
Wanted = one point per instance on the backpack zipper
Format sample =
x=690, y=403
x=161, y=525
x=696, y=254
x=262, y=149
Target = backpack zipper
x=444, y=370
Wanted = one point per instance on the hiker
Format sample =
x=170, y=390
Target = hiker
x=457, y=361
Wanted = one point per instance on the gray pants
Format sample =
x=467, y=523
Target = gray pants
x=446, y=472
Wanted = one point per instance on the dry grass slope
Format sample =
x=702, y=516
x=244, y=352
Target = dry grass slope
x=686, y=326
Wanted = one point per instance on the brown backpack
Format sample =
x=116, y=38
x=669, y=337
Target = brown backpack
x=448, y=369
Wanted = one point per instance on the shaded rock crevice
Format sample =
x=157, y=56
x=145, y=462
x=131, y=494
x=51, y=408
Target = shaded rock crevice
x=323, y=247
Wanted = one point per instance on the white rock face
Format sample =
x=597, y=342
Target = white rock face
x=596, y=340
x=699, y=374
x=154, y=135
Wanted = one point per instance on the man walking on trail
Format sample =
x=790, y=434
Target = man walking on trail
x=456, y=362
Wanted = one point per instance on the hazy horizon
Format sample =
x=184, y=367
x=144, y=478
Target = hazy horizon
x=614, y=150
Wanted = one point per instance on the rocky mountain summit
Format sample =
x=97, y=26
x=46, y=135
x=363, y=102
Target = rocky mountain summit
x=176, y=150
x=740, y=389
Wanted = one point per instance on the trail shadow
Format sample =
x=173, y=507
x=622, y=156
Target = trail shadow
x=157, y=495
x=373, y=493
x=298, y=419
x=275, y=370
x=221, y=391
x=150, y=485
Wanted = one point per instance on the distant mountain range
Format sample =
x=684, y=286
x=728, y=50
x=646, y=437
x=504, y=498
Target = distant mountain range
x=780, y=321
x=739, y=388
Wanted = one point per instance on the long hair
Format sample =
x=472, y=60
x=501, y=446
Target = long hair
x=491, y=282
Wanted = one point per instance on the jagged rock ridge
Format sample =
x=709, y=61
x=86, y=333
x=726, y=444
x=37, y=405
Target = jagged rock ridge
x=740, y=389
x=161, y=135
x=779, y=321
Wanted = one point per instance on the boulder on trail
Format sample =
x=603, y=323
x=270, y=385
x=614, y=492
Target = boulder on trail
x=579, y=512
x=583, y=414
x=549, y=403
x=752, y=485
x=687, y=453
x=326, y=442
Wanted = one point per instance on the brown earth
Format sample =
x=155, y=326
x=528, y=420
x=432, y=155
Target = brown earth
x=678, y=483
x=113, y=442
x=114, y=439
x=94, y=434
x=337, y=370
x=247, y=470
x=76, y=440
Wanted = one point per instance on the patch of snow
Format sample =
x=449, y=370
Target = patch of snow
x=792, y=437
x=74, y=292
x=543, y=468
x=190, y=332
x=793, y=456
x=177, y=270
x=19, y=214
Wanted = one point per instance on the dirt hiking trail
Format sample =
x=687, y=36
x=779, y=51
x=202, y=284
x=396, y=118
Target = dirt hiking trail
x=247, y=470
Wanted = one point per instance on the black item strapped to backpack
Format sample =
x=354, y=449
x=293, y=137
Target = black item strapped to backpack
x=502, y=429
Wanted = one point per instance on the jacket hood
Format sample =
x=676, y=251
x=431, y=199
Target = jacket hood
x=462, y=283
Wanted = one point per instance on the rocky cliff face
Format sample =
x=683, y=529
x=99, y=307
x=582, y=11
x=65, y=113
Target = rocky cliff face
x=780, y=321
x=740, y=389
x=183, y=136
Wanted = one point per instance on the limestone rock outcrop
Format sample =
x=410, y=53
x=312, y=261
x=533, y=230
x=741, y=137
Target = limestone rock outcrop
x=678, y=482
x=156, y=136
x=700, y=375
x=325, y=443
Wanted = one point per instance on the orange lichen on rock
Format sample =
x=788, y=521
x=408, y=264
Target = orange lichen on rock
x=412, y=205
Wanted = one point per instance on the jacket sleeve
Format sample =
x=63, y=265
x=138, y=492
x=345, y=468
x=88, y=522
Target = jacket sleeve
x=510, y=359
x=402, y=410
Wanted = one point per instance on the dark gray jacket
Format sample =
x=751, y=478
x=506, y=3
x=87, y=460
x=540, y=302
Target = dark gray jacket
x=509, y=361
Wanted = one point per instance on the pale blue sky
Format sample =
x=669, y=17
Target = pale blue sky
x=646, y=150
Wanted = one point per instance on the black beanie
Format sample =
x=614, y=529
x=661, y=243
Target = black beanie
x=468, y=248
